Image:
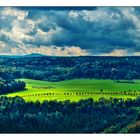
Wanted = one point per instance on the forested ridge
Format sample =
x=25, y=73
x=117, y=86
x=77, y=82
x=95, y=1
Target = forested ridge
x=85, y=116
x=63, y=68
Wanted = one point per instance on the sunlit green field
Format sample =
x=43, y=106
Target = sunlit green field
x=75, y=90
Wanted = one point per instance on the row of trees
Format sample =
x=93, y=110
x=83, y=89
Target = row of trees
x=85, y=116
x=96, y=93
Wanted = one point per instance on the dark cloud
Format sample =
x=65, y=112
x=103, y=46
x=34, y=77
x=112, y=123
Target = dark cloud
x=99, y=30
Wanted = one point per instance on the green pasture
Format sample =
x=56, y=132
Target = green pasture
x=77, y=89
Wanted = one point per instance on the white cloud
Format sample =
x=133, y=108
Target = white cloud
x=16, y=34
x=3, y=46
x=115, y=52
x=136, y=53
x=19, y=14
x=130, y=14
x=42, y=36
x=6, y=49
x=74, y=14
x=58, y=51
x=101, y=14
x=20, y=30
x=47, y=50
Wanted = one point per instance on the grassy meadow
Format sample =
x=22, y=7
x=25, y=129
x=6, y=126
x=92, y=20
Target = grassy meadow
x=77, y=89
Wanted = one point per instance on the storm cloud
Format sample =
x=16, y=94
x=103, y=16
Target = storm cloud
x=69, y=31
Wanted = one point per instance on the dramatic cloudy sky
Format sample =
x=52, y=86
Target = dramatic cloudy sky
x=107, y=31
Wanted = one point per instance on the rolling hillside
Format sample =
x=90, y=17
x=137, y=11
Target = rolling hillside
x=77, y=89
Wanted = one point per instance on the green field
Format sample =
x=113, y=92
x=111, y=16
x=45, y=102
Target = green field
x=75, y=90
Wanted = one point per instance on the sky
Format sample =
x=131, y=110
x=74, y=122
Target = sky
x=70, y=31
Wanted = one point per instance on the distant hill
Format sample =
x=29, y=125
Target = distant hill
x=26, y=55
x=10, y=56
x=34, y=55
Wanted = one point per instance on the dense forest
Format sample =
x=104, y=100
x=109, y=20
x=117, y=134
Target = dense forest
x=63, y=68
x=85, y=116
x=7, y=86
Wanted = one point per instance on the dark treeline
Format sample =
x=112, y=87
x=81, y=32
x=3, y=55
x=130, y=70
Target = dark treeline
x=11, y=86
x=85, y=116
x=63, y=68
